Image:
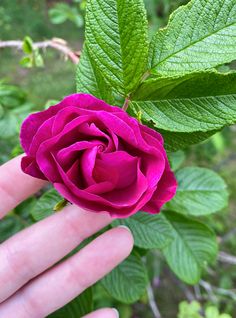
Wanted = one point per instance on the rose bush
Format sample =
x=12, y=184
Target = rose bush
x=98, y=157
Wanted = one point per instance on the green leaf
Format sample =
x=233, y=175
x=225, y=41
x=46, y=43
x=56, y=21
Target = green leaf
x=117, y=39
x=27, y=61
x=127, y=282
x=190, y=103
x=78, y=307
x=149, y=231
x=176, y=159
x=28, y=45
x=44, y=206
x=8, y=125
x=90, y=80
x=199, y=36
x=9, y=226
x=175, y=140
x=193, y=247
x=38, y=59
x=200, y=192
x=59, y=14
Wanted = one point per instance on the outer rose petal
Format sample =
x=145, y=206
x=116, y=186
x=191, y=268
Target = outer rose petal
x=165, y=191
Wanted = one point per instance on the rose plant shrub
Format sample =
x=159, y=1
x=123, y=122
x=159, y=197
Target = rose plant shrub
x=101, y=158
x=98, y=157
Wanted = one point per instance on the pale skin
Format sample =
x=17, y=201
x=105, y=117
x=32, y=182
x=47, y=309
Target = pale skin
x=32, y=286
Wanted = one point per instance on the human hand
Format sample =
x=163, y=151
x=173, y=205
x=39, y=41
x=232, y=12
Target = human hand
x=31, y=284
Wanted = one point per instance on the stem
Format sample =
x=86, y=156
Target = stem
x=152, y=303
x=227, y=258
x=126, y=104
x=56, y=44
x=212, y=291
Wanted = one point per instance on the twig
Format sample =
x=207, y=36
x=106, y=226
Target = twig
x=227, y=258
x=228, y=236
x=209, y=289
x=152, y=303
x=197, y=292
x=56, y=44
x=212, y=290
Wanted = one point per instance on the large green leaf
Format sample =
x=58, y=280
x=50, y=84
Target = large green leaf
x=77, y=308
x=128, y=281
x=200, y=35
x=200, y=192
x=149, y=231
x=194, y=102
x=44, y=206
x=90, y=80
x=180, y=140
x=116, y=37
x=193, y=247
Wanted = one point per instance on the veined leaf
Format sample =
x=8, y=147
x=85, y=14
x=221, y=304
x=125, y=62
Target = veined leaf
x=128, y=281
x=90, y=80
x=45, y=204
x=193, y=247
x=180, y=140
x=200, y=192
x=149, y=231
x=199, y=36
x=190, y=103
x=117, y=39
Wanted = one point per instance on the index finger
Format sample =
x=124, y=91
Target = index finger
x=15, y=185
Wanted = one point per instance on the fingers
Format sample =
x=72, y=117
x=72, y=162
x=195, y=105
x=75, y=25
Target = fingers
x=15, y=186
x=61, y=284
x=32, y=251
x=103, y=313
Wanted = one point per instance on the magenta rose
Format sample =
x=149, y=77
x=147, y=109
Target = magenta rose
x=98, y=157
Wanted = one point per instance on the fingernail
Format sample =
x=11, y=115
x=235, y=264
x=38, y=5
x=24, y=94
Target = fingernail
x=116, y=312
x=124, y=227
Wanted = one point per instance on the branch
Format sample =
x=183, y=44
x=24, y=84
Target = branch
x=56, y=44
x=152, y=303
x=212, y=290
x=227, y=258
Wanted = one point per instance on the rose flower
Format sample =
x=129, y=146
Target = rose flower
x=98, y=157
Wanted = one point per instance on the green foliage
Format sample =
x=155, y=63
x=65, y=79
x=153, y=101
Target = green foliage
x=176, y=159
x=13, y=109
x=116, y=37
x=200, y=192
x=62, y=12
x=16, y=220
x=195, y=103
x=149, y=231
x=78, y=307
x=180, y=95
x=194, y=310
x=187, y=104
x=191, y=310
x=44, y=206
x=193, y=246
x=127, y=282
x=90, y=80
x=32, y=57
x=192, y=42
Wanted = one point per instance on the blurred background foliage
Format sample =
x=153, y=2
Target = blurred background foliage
x=24, y=89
